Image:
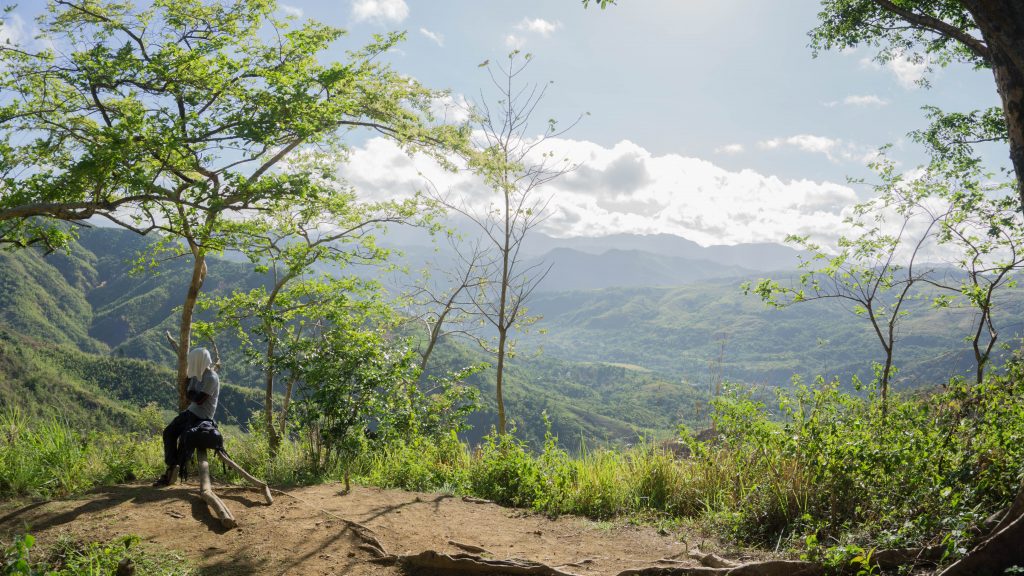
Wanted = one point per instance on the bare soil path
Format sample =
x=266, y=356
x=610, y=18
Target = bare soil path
x=306, y=534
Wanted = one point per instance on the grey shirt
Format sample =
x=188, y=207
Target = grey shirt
x=210, y=384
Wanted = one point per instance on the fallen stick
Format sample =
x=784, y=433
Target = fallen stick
x=469, y=548
x=242, y=472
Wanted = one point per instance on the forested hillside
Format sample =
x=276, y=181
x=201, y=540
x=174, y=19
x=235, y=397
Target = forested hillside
x=604, y=365
x=87, y=309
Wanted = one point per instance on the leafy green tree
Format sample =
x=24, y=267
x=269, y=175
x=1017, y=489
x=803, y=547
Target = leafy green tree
x=306, y=250
x=873, y=273
x=515, y=166
x=173, y=116
x=982, y=33
x=354, y=383
x=986, y=232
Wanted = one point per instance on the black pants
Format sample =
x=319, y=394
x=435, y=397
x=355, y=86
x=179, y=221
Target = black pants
x=181, y=423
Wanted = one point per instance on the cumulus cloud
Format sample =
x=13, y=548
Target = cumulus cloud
x=729, y=149
x=909, y=70
x=12, y=29
x=434, y=36
x=627, y=189
x=860, y=101
x=834, y=149
x=514, y=41
x=539, y=26
x=380, y=10
x=291, y=10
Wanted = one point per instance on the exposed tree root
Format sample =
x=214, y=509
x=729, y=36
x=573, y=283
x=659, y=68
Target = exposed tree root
x=217, y=507
x=1005, y=548
x=889, y=559
x=470, y=548
x=432, y=562
x=712, y=560
x=767, y=568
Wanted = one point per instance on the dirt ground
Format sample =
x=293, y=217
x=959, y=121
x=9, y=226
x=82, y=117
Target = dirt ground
x=305, y=534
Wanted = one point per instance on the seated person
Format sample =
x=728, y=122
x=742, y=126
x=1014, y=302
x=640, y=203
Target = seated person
x=203, y=390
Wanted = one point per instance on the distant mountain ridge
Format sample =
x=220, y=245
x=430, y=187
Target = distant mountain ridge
x=757, y=256
x=576, y=270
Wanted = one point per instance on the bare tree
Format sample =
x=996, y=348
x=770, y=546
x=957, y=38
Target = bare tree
x=515, y=164
x=445, y=306
x=989, y=237
x=872, y=273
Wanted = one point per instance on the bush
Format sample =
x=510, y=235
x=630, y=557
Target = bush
x=420, y=463
x=72, y=558
x=503, y=471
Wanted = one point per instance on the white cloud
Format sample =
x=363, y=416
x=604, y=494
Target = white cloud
x=12, y=29
x=514, y=41
x=380, y=10
x=729, y=149
x=538, y=26
x=908, y=70
x=450, y=108
x=626, y=189
x=291, y=10
x=860, y=101
x=434, y=36
x=834, y=149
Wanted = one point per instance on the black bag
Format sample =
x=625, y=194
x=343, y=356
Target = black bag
x=202, y=435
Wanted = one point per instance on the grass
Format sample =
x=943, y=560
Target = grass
x=70, y=557
x=816, y=471
x=50, y=458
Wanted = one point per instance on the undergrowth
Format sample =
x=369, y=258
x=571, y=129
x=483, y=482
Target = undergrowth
x=816, y=472
x=70, y=557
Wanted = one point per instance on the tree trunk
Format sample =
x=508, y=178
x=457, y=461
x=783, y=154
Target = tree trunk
x=284, y=408
x=1001, y=23
x=268, y=400
x=885, y=382
x=501, y=372
x=185, y=331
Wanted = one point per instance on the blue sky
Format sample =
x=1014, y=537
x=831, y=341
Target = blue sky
x=708, y=118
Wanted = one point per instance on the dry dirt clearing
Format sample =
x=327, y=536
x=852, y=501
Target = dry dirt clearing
x=314, y=535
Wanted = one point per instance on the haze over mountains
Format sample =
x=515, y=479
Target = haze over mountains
x=618, y=260
x=634, y=328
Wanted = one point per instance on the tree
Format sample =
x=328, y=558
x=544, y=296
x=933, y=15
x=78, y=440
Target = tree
x=351, y=379
x=986, y=34
x=987, y=233
x=444, y=304
x=515, y=165
x=293, y=245
x=174, y=116
x=874, y=272
x=983, y=33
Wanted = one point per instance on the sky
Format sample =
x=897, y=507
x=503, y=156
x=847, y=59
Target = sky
x=709, y=119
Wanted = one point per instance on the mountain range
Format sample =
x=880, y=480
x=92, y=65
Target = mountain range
x=634, y=332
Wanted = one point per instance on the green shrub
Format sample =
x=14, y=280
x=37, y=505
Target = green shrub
x=503, y=471
x=69, y=557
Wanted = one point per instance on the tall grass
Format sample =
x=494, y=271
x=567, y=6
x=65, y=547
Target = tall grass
x=820, y=465
x=50, y=458
x=817, y=465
